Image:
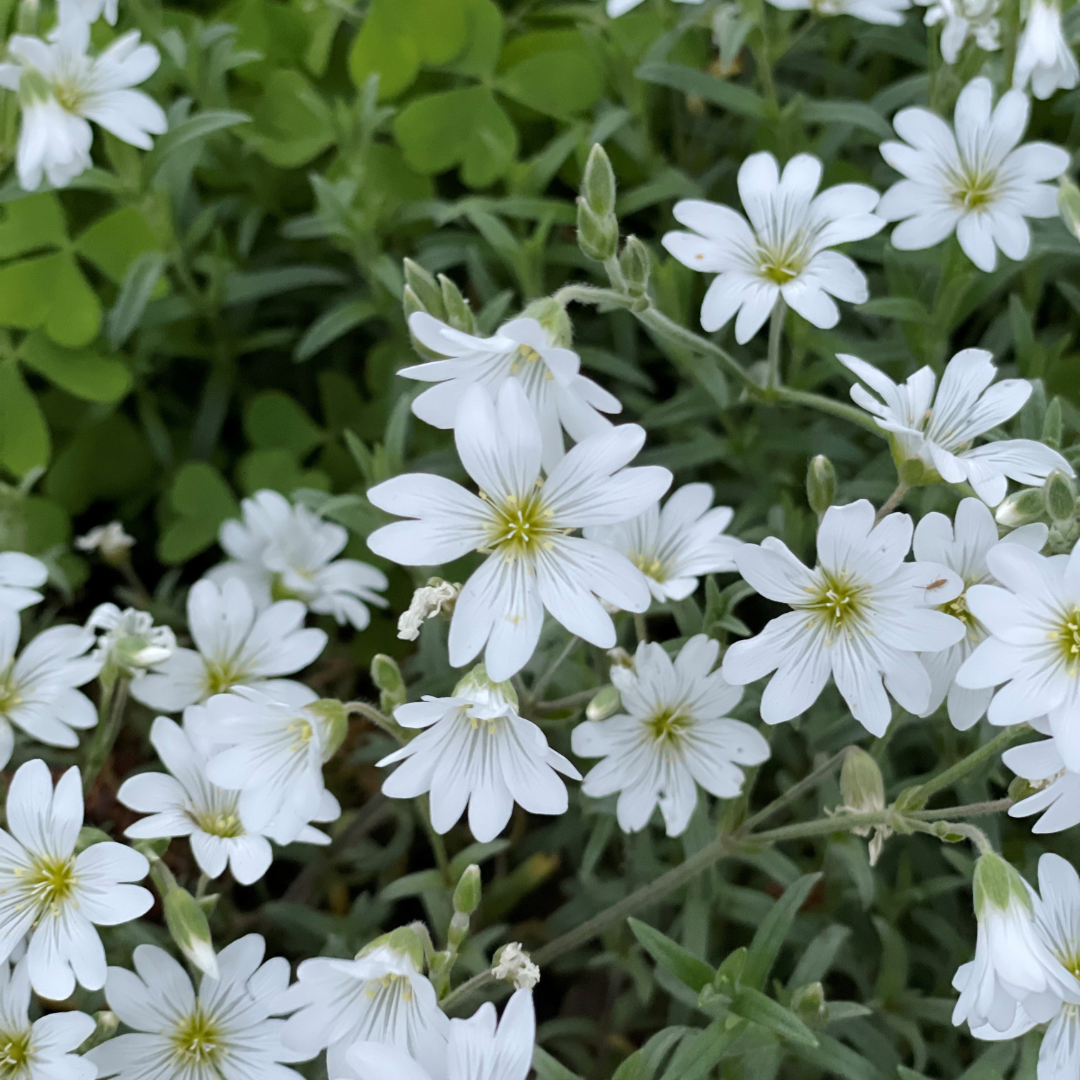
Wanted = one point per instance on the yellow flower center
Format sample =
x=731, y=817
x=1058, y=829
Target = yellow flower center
x=302, y=733
x=519, y=527
x=974, y=189
x=69, y=96
x=839, y=601
x=667, y=727
x=51, y=881
x=390, y=983
x=15, y=1054
x=10, y=697
x=197, y=1040
x=650, y=566
x=280, y=591
x=784, y=262
x=224, y=823
x=959, y=609
x=221, y=676
x=1068, y=638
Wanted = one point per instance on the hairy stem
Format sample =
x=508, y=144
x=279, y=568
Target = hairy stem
x=796, y=791
x=776, y=338
x=892, y=502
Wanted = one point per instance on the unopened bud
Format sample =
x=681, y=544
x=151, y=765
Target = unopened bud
x=598, y=237
x=1060, y=495
x=386, y=675
x=513, y=964
x=809, y=1001
x=1069, y=206
x=619, y=657
x=1020, y=789
x=912, y=472
x=190, y=930
x=467, y=891
x=598, y=183
x=552, y=317
x=426, y=289
x=476, y=681
x=635, y=265
x=1021, y=508
x=861, y=785
x=88, y=836
x=607, y=702
x=458, y=313
x=105, y=1024
x=997, y=885
x=820, y=484
x=335, y=724
x=1052, y=424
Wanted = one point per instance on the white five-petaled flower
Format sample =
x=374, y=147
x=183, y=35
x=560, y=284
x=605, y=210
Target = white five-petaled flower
x=562, y=397
x=963, y=550
x=978, y=182
x=183, y=802
x=1015, y=974
x=225, y=1030
x=939, y=429
x=963, y=19
x=784, y=251
x=237, y=646
x=283, y=551
x=270, y=747
x=1043, y=56
x=1033, y=617
x=37, y=689
x=675, y=731
x=477, y=750
x=62, y=88
x=56, y=896
x=44, y=1049
x=379, y=997
x=675, y=545
x=880, y=12
x=523, y=525
x=1057, y=788
x=128, y=640
x=478, y=1049
x=110, y=541
x=20, y=578
x=861, y=615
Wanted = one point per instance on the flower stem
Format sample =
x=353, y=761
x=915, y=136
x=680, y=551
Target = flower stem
x=541, y=684
x=374, y=716
x=114, y=696
x=776, y=337
x=796, y=791
x=892, y=502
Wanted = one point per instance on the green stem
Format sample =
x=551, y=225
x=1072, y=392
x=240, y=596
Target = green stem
x=374, y=716
x=641, y=627
x=571, y=701
x=438, y=845
x=110, y=719
x=796, y=791
x=892, y=502
x=541, y=683
x=776, y=337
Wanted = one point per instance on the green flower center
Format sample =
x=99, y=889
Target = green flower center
x=15, y=1054
x=959, y=609
x=69, y=95
x=197, y=1040
x=784, y=262
x=221, y=676
x=650, y=566
x=839, y=601
x=10, y=697
x=51, y=881
x=667, y=727
x=519, y=527
x=974, y=189
x=1068, y=639
x=224, y=823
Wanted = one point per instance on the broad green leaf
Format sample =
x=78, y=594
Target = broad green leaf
x=24, y=436
x=115, y=241
x=552, y=72
x=679, y=961
x=729, y=96
x=49, y=291
x=277, y=33
x=274, y=420
x=291, y=122
x=85, y=373
x=483, y=37
x=754, y=1006
x=31, y=224
x=331, y=325
x=774, y=929
x=47, y=524
x=200, y=500
x=278, y=470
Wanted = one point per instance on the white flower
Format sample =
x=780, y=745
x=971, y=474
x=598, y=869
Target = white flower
x=882, y=12
x=282, y=551
x=20, y=578
x=477, y=1050
x=427, y=602
x=1034, y=620
x=861, y=615
x=1057, y=793
x=129, y=640
x=37, y=690
x=674, y=546
x=963, y=550
x=532, y=563
x=1014, y=975
x=380, y=997
x=89, y=11
x=478, y=751
x=940, y=429
x=186, y=803
x=61, y=88
x=675, y=731
x=963, y=19
x=514, y=965
x=1043, y=55
x=43, y=1050
x=562, y=397
x=54, y=895
x=978, y=182
x=237, y=646
x=225, y=1030
x=110, y=540
x=270, y=748
x=783, y=251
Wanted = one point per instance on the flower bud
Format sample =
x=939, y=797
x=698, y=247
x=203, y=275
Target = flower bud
x=425, y=289
x=913, y=472
x=607, y=702
x=861, y=785
x=598, y=237
x=335, y=723
x=635, y=265
x=998, y=886
x=513, y=964
x=1060, y=495
x=476, y=682
x=1021, y=507
x=619, y=657
x=1069, y=206
x=88, y=836
x=820, y=484
x=808, y=1002
x=598, y=183
x=105, y=1024
x=458, y=313
x=1052, y=424
x=386, y=675
x=190, y=930
x=467, y=891
x=551, y=315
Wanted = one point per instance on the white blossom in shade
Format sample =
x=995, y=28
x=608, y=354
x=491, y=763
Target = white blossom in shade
x=20, y=578
x=478, y=1048
x=428, y=601
x=675, y=731
x=89, y=11
x=675, y=545
x=128, y=641
x=784, y=250
x=477, y=750
x=56, y=896
x=615, y=8
x=235, y=645
x=44, y=1049
x=226, y=1029
x=270, y=748
x=523, y=525
x=1033, y=617
x=110, y=541
x=880, y=12
x=963, y=19
x=861, y=615
x=978, y=182
x=37, y=688
x=1057, y=789
x=940, y=429
x=379, y=997
x=1043, y=56
x=183, y=802
x=283, y=551
x=562, y=397
x=62, y=88
x=1015, y=974
x=963, y=548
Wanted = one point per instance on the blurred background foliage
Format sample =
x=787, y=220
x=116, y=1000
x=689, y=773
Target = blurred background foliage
x=222, y=314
